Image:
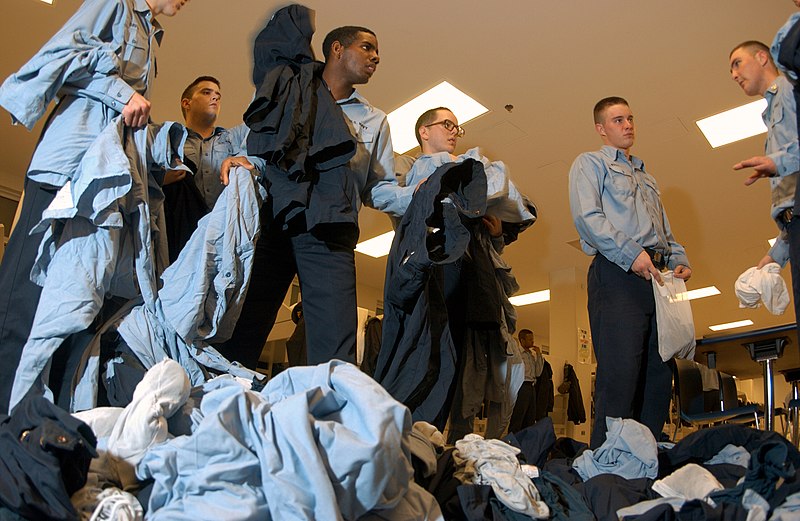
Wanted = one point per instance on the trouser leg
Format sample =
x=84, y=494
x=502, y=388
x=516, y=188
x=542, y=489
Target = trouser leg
x=19, y=297
x=621, y=307
x=524, y=408
x=327, y=272
x=273, y=271
x=656, y=393
x=793, y=230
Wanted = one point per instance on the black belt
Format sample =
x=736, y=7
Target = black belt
x=785, y=216
x=658, y=258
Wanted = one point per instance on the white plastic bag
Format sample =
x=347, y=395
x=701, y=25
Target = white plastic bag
x=674, y=318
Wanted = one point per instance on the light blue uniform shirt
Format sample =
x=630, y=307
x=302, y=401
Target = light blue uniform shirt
x=776, y=43
x=781, y=146
x=373, y=162
x=617, y=210
x=92, y=65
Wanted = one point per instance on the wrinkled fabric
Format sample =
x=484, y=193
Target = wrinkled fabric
x=416, y=363
x=93, y=65
x=101, y=238
x=629, y=451
x=503, y=199
x=731, y=454
x=493, y=462
x=143, y=423
x=688, y=482
x=202, y=293
x=46, y=456
x=766, y=285
x=320, y=442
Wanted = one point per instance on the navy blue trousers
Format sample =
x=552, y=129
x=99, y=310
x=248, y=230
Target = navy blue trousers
x=324, y=262
x=632, y=381
x=19, y=297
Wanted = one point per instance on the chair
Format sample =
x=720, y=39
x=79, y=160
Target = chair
x=693, y=405
x=730, y=401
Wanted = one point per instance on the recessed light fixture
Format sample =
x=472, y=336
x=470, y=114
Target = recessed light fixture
x=48, y=2
x=735, y=124
x=403, y=119
x=772, y=242
x=531, y=298
x=377, y=246
x=708, y=291
x=731, y=325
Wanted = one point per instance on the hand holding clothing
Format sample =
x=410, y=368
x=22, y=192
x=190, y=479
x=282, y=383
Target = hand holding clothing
x=137, y=111
x=231, y=162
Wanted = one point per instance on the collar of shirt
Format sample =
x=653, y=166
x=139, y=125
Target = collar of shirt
x=217, y=131
x=140, y=6
x=355, y=97
x=616, y=154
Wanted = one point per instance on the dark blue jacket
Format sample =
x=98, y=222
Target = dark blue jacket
x=297, y=127
x=416, y=363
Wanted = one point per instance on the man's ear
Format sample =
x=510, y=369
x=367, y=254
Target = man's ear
x=600, y=129
x=762, y=57
x=337, y=49
x=424, y=133
x=185, y=104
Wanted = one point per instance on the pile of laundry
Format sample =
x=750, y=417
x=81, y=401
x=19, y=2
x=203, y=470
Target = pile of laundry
x=328, y=442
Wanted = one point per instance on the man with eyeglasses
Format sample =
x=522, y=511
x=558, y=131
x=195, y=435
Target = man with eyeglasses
x=507, y=213
x=617, y=211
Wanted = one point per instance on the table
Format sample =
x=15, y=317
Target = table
x=764, y=346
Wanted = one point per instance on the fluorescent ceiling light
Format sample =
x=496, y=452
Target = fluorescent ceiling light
x=731, y=325
x=772, y=242
x=735, y=124
x=377, y=246
x=403, y=119
x=48, y=2
x=708, y=291
x=531, y=298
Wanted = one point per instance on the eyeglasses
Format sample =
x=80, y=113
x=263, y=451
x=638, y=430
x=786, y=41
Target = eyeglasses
x=449, y=126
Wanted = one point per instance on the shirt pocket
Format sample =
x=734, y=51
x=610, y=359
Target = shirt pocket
x=135, y=54
x=621, y=178
x=650, y=185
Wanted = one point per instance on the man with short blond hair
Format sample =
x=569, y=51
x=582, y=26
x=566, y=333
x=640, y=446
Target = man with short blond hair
x=617, y=211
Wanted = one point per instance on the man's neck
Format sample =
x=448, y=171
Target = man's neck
x=204, y=128
x=340, y=88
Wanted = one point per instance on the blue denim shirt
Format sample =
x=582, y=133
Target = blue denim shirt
x=101, y=238
x=373, y=162
x=617, y=210
x=776, y=43
x=503, y=198
x=92, y=66
x=781, y=146
x=208, y=154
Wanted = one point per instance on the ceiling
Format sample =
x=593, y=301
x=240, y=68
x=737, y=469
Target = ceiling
x=550, y=60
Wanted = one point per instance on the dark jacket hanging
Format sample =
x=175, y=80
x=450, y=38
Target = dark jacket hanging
x=416, y=363
x=575, y=410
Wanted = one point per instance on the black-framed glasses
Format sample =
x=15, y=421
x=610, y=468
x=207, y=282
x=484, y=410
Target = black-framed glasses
x=449, y=126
